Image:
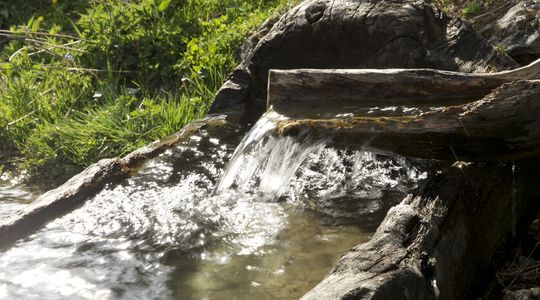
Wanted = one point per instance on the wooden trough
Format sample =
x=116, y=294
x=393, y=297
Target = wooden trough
x=328, y=88
x=492, y=116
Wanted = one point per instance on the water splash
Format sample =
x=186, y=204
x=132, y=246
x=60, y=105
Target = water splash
x=165, y=233
x=264, y=163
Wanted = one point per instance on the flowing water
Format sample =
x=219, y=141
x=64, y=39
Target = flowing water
x=14, y=194
x=270, y=227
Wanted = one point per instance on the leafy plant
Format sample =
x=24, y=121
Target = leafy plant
x=472, y=9
x=82, y=80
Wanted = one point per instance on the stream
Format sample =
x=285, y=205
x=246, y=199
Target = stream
x=189, y=224
x=14, y=194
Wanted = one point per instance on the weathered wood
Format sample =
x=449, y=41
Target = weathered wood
x=445, y=240
x=503, y=125
x=290, y=90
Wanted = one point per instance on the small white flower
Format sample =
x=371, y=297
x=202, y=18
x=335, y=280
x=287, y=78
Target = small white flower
x=69, y=57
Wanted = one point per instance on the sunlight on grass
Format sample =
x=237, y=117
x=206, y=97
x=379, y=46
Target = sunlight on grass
x=84, y=80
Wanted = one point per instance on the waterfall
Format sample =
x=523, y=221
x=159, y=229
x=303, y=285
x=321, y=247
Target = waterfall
x=265, y=163
x=182, y=228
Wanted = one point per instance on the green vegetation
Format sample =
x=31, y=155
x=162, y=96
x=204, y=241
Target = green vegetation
x=500, y=49
x=85, y=79
x=471, y=9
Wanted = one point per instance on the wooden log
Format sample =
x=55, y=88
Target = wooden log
x=503, y=125
x=290, y=91
x=445, y=240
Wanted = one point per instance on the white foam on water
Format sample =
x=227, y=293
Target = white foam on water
x=170, y=231
x=265, y=163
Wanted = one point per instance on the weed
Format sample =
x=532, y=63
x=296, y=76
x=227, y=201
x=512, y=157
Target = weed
x=500, y=49
x=83, y=80
x=471, y=9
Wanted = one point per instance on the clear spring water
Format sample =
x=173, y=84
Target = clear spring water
x=14, y=194
x=171, y=232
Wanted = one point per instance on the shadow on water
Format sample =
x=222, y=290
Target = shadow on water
x=166, y=233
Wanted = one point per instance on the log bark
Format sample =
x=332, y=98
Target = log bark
x=503, y=125
x=328, y=88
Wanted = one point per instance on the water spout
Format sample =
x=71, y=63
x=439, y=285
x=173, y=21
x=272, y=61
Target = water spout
x=264, y=163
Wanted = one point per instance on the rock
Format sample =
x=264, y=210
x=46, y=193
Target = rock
x=358, y=34
x=444, y=241
x=233, y=93
x=251, y=42
x=517, y=32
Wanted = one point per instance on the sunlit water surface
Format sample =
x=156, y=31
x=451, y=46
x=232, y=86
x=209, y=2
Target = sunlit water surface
x=14, y=194
x=268, y=232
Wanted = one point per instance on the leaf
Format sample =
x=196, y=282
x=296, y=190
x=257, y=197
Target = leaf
x=164, y=5
x=30, y=22
x=76, y=29
x=6, y=66
x=35, y=24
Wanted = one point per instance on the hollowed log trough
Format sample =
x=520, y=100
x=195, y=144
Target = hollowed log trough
x=479, y=117
x=446, y=239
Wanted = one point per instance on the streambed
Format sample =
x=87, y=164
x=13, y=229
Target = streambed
x=166, y=233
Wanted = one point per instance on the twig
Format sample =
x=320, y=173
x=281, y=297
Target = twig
x=491, y=11
x=20, y=119
x=57, y=46
x=45, y=34
x=454, y=153
x=82, y=69
x=16, y=53
x=15, y=36
x=44, y=42
x=463, y=125
x=86, y=69
x=522, y=268
x=51, y=48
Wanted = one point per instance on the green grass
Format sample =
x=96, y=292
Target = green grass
x=84, y=80
x=468, y=9
x=471, y=9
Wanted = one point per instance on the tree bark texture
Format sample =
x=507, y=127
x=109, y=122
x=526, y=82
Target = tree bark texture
x=504, y=125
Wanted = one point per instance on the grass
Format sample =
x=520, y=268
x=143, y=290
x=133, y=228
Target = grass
x=479, y=12
x=471, y=9
x=82, y=80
